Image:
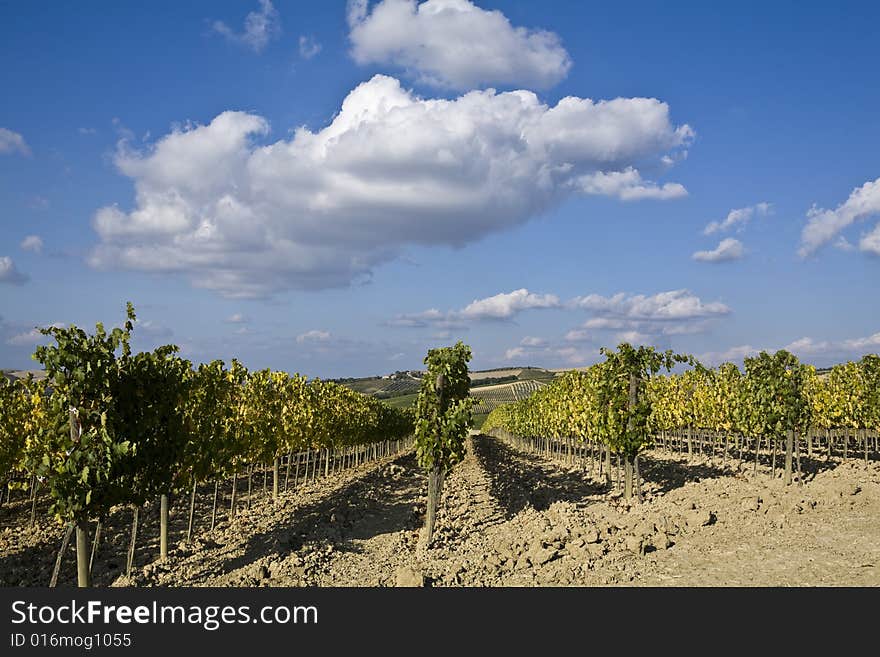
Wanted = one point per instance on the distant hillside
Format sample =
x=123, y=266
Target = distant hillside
x=13, y=375
x=491, y=387
x=491, y=397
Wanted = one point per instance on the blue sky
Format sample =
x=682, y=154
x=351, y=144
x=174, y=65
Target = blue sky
x=333, y=188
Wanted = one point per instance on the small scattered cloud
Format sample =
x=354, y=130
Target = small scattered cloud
x=824, y=225
x=308, y=47
x=862, y=344
x=870, y=242
x=27, y=338
x=635, y=337
x=808, y=346
x=151, y=329
x=13, y=142
x=672, y=305
x=237, y=318
x=314, y=335
x=640, y=319
x=503, y=306
x=124, y=133
x=739, y=218
x=646, y=319
x=19, y=336
x=87, y=131
x=627, y=185
x=549, y=354
x=39, y=203
x=260, y=27
x=578, y=335
x=728, y=250
x=10, y=274
x=431, y=317
x=843, y=244
x=506, y=305
x=605, y=323
x=455, y=44
x=731, y=355
x=33, y=243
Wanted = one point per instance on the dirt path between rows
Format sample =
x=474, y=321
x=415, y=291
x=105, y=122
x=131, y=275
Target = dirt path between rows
x=510, y=518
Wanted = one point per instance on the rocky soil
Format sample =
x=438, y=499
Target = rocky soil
x=507, y=518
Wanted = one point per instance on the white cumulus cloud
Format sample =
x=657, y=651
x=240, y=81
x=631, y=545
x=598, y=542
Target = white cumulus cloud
x=807, y=346
x=863, y=344
x=731, y=355
x=548, y=354
x=605, y=323
x=870, y=242
x=32, y=243
x=727, y=250
x=645, y=319
x=843, y=244
x=823, y=225
x=455, y=44
x=502, y=306
x=12, y=142
x=635, y=337
x=314, y=335
x=308, y=47
x=506, y=305
x=237, y=318
x=260, y=27
x=9, y=273
x=738, y=218
x=628, y=185
x=578, y=335
x=322, y=209
x=672, y=305
x=27, y=338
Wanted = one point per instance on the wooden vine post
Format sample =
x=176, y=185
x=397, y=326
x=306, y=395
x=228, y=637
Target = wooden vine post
x=443, y=416
x=83, y=576
x=435, y=476
x=629, y=457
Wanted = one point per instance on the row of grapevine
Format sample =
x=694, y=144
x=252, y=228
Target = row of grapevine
x=108, y=427
x=443, y=417
x=623, y=406
x=777, y=400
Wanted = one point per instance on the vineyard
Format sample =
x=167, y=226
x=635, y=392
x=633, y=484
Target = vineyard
x=488, y=398
x=109, y=429
x=622, y=407
x=633, y=470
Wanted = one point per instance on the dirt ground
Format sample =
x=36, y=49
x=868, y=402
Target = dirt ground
x=507, y=518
